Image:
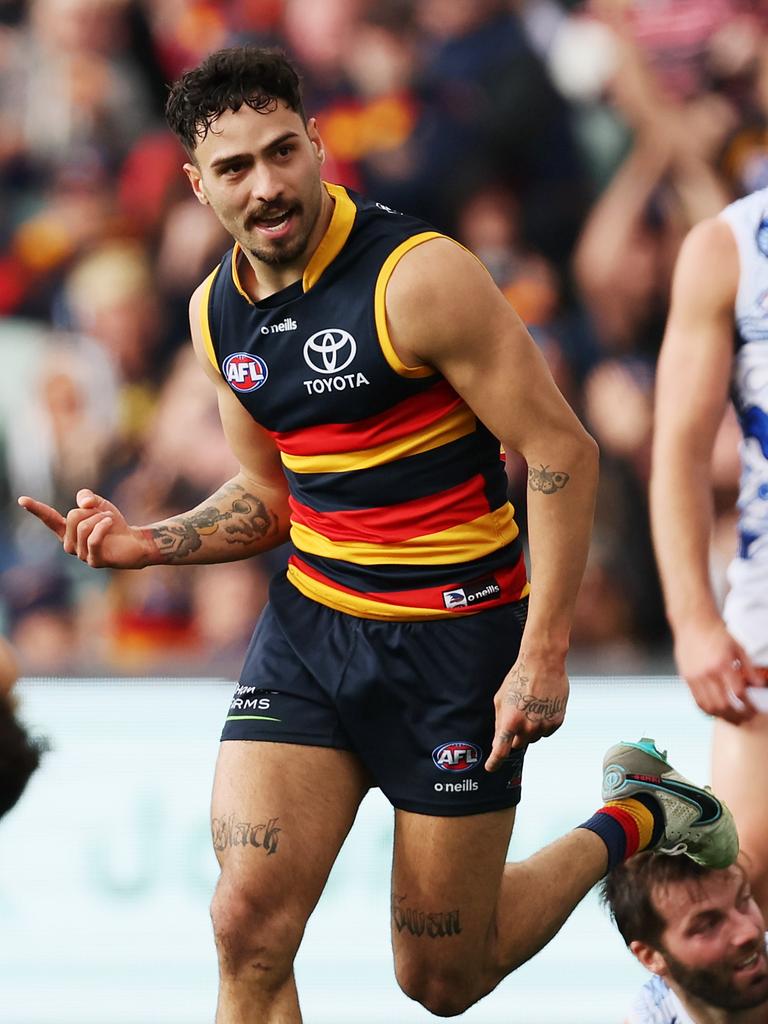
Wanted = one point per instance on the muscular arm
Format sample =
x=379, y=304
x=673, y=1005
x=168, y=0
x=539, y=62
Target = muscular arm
x=247, y=515
x=691, y=393
x=444, y=310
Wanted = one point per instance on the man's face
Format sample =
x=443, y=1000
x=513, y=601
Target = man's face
x=713, y=945
x=260, y=173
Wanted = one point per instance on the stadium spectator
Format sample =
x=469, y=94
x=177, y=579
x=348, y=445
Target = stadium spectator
x=468, y=113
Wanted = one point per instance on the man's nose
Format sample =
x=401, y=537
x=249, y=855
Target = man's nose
x=746, y=930
x=266, y=186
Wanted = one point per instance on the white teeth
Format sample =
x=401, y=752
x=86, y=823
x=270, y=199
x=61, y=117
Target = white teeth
x=749, y=962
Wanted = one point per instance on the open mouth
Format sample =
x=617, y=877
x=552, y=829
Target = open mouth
x=275, y=225
x=753, y=962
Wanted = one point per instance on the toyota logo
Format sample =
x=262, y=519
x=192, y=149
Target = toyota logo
x=330, y=351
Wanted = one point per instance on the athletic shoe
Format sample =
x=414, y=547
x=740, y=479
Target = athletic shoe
x=696, y=823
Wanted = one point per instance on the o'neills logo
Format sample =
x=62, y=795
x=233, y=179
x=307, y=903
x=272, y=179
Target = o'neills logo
x=469, y=594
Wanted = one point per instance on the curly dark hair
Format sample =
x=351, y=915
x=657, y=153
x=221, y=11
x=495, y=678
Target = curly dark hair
x=226, y=80
x=19, y=756
x=628, y=890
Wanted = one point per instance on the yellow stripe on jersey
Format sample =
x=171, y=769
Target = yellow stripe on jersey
x=380, y=308
x=364, y=607
x=205, y=325
x=359, y=604
x=334, y=239
x=236, y=250
x=467, y=541
x=459, y=423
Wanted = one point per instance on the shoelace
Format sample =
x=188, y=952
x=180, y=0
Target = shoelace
x=676, y=850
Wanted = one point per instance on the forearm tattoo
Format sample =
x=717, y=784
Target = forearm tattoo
x=229, y=832
x=535, y=709
x=547, y=480
x=240, y=517
x=438, y=925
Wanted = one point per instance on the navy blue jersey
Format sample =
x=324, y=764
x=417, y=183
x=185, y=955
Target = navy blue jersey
x=398, y=491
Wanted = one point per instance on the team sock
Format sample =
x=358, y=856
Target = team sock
x=627, y=826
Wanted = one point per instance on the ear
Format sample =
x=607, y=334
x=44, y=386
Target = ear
x=314, y=138
x=195, y=180
x=649, y=957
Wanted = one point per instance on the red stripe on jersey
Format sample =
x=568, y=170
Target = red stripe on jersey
x=392, y=523
x=401, y=420
x=511, y=579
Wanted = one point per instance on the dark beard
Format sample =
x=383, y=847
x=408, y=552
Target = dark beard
x=278, y=257
x=713, y=986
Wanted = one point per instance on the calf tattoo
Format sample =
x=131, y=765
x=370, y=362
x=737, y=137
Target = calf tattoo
x=241, y=517
x=228, y=833
x=438, y=925
x=547, y=480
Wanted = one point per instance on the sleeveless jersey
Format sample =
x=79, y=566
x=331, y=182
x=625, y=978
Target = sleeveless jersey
x=656, y=1003
x=746, y=609
x=398, y=493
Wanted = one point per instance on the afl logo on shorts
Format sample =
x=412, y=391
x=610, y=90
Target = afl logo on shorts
x=245, y=372
x=457, y=756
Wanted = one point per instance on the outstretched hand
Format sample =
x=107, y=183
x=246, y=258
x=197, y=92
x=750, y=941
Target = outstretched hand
x=529, y=705
x=95, y=531
x=718, y=671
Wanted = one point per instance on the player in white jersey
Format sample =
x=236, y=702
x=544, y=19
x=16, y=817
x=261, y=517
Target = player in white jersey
x=699, y=932
x=715, y=348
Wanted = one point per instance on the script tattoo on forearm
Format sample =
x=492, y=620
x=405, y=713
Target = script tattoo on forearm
x=229, y=832
x=547, y=480
x=240, y=516
x=439, y=925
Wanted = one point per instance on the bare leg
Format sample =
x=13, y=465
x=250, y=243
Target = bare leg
x=462, y=919
x=280, y=814
x=740, y=777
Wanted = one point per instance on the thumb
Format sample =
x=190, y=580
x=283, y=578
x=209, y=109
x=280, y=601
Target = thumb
x=88, y=499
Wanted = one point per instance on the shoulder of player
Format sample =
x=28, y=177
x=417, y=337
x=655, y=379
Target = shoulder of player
x=196, y=312
x=439, y=290
x=708, y=263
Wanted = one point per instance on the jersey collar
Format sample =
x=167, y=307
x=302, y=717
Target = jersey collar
x=331, y=244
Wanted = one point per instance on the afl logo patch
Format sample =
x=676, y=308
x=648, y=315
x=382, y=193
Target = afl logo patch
x=762, y=236
x=330, y=351
x=245, y=372
x=457, y=756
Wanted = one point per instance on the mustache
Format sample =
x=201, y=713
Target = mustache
x=269, y=212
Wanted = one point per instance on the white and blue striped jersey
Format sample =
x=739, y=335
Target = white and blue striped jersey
x=656, y=1003
x=746, y=608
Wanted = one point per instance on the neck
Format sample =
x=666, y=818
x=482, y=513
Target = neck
x=260, y=280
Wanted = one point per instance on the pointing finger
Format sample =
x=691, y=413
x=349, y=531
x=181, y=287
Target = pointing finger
x=47, y=515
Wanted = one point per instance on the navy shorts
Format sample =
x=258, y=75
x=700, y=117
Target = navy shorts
x=413, y=700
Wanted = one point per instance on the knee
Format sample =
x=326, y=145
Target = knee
x=444, y=991
x=253, y=932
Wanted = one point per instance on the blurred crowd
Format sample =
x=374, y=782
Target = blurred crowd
x=570, y=145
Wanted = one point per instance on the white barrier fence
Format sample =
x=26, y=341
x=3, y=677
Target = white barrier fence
x=107, y=868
